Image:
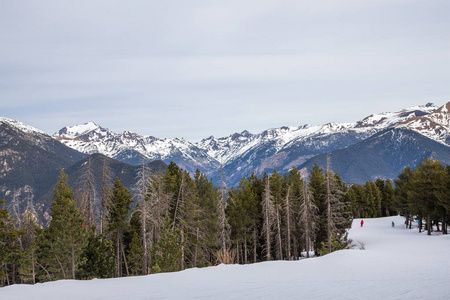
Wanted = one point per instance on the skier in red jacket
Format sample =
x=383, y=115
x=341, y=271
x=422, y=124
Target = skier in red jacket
x=362, y=223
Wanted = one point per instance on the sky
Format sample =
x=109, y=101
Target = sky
x=193, y=69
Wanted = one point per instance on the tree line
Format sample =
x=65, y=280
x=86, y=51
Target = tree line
x=181, y=220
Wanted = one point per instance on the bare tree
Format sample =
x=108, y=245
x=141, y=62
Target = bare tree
x=88, y=191
x=278, y=237
x=14, y=208
x=141, y=191
x=268, y=217
x=288, y=207
x=224, y=234
x=309, y=217
x=106, y=185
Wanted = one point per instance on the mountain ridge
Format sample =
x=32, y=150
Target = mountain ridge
x=241, y=154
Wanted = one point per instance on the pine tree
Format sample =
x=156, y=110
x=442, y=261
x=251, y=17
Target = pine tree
x=117, y=220
x=167, y=252
x=401, y=198
x=65, y=234
x=427, y=184
x=97, y=258
x=28, y=265
x=276, y=188
x=9, y=248
x=158, y=204
x=134, y=255
x=335, y=213
x=317, y=185
x=205, y=221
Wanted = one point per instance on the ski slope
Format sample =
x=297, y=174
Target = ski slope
x=397, y=263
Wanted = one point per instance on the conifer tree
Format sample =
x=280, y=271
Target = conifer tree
x=134, y=255
x=427, y=184
x=276, y=188
x=117, y=220
x=336, y=222
x=97, y=258
x=318, y=189
x=158, y=204
x=9, y=248
x=205, y=220
x=167, y=252
x=401, y=198
x=65, y=234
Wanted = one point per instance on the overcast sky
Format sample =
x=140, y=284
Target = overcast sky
x=198, y=68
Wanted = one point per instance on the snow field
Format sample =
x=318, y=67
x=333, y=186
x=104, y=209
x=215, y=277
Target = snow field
x=397, y=263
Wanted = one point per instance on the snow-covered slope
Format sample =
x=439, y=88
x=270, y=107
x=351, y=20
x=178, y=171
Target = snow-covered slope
x=21, y=126
x=435, y=125
x=397, y=263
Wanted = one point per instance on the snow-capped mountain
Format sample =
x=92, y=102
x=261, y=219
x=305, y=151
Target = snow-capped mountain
x=244, y=153
x=133, y=148
x=30, y=161
x=435, y=125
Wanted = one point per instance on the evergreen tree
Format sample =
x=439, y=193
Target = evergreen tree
x=65, y=235
x=373, y=205
x=401, y=198
x=135, y=257
x=205, y=221
x=427, y=184
x=318, y=189
x=9, y=248
x=97, y=258
x=167, y=252
x=117, y=220
x=335, y=212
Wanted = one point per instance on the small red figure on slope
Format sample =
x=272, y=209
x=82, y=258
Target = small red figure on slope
x=362, y=223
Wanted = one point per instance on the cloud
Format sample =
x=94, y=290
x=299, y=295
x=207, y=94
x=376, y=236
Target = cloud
x=192, y=69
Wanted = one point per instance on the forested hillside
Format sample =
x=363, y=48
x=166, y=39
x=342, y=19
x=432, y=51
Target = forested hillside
x=179, y=221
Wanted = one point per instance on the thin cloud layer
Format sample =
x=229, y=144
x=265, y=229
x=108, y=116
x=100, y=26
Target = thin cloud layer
x=192, y=69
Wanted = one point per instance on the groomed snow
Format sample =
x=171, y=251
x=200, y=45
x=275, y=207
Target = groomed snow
x=397, y=263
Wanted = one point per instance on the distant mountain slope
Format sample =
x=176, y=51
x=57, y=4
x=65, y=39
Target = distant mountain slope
x=132, y=148
x=241, y=153
x=30, y=161
x=435, y=125
x=383, y=155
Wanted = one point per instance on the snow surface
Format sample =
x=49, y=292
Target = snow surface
x=397, y=263
x=21, y=126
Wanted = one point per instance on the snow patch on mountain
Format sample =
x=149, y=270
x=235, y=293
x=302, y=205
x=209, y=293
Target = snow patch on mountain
x=435, y=125
x=21, y=126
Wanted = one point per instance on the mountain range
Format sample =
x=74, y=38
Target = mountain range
x=241, y=154
x=378, y=146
